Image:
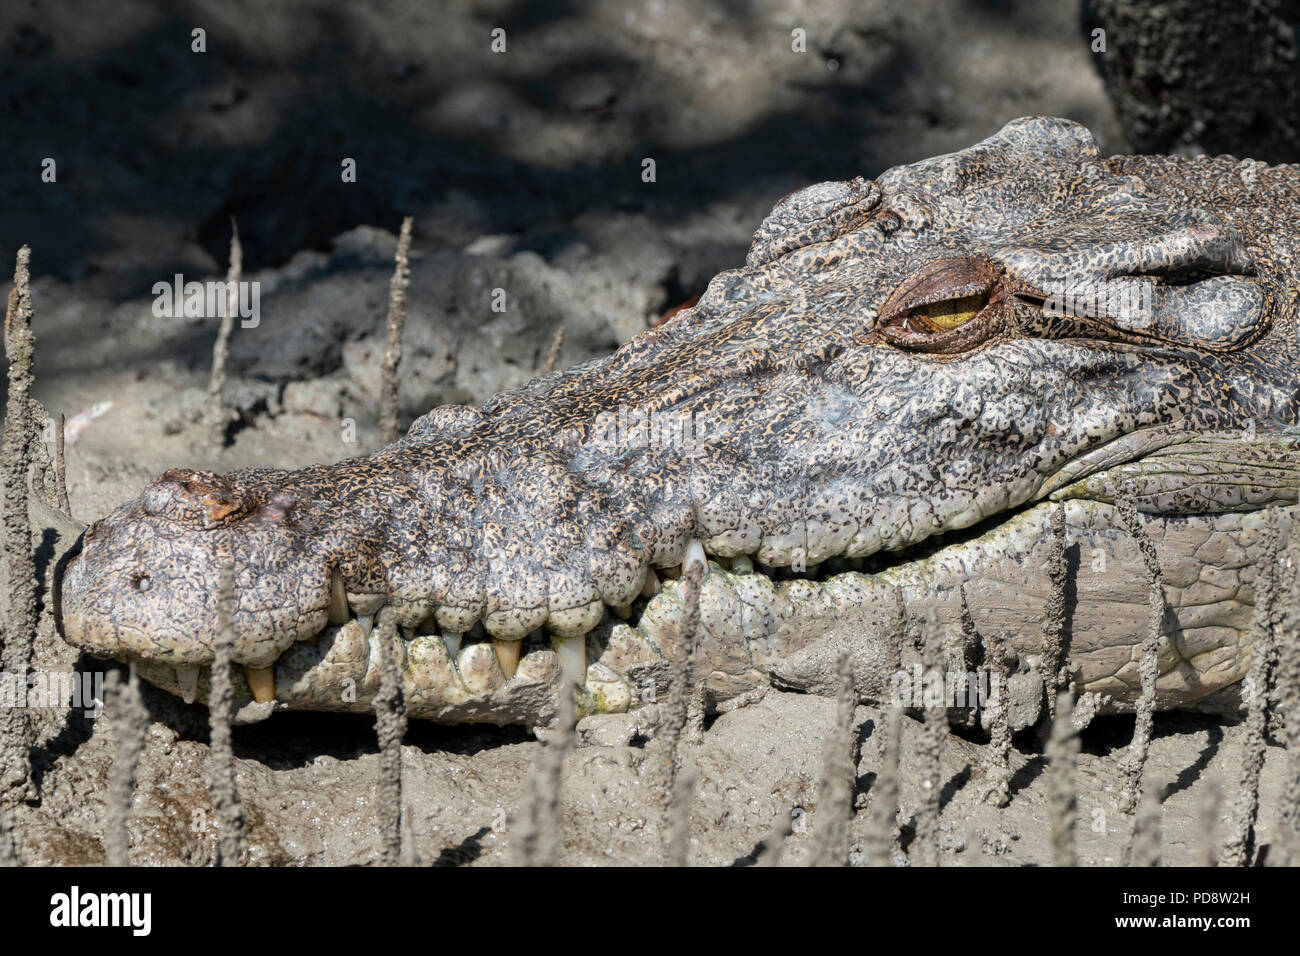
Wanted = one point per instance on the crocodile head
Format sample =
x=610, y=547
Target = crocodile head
x=899, y=359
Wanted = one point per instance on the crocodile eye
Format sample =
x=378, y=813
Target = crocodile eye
x=141, y=582
x=951, y=313
x=947, y=305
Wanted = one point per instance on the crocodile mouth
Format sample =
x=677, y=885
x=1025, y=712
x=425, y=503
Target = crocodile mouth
x=471, y=676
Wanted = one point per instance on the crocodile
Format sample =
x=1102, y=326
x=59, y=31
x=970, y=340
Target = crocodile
x=872, y=435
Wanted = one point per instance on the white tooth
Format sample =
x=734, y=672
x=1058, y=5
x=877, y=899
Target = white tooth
x=671, y=573
x=453, y=644
x=742, y=564
x=695, y=555
x=367, y=622
x=651, y=586
x=337, y=612
x=572, y=652
x=188, y=678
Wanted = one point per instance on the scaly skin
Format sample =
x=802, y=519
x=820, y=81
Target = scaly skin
x=889, y=367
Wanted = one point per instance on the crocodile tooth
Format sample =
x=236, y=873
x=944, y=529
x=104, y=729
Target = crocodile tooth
x=337, y=613
x=188, y=679
x=572, y=652
x=695, y=555
x=672, y=573
x=507, y=656
x=453, y=644
x=651, y=586
x=261, y=681
x=367, y=623
x=742, y=564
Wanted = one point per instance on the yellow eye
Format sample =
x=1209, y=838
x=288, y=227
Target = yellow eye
x=951, y=313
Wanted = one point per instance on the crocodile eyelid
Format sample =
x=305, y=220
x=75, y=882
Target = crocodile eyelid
x=942, y=280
